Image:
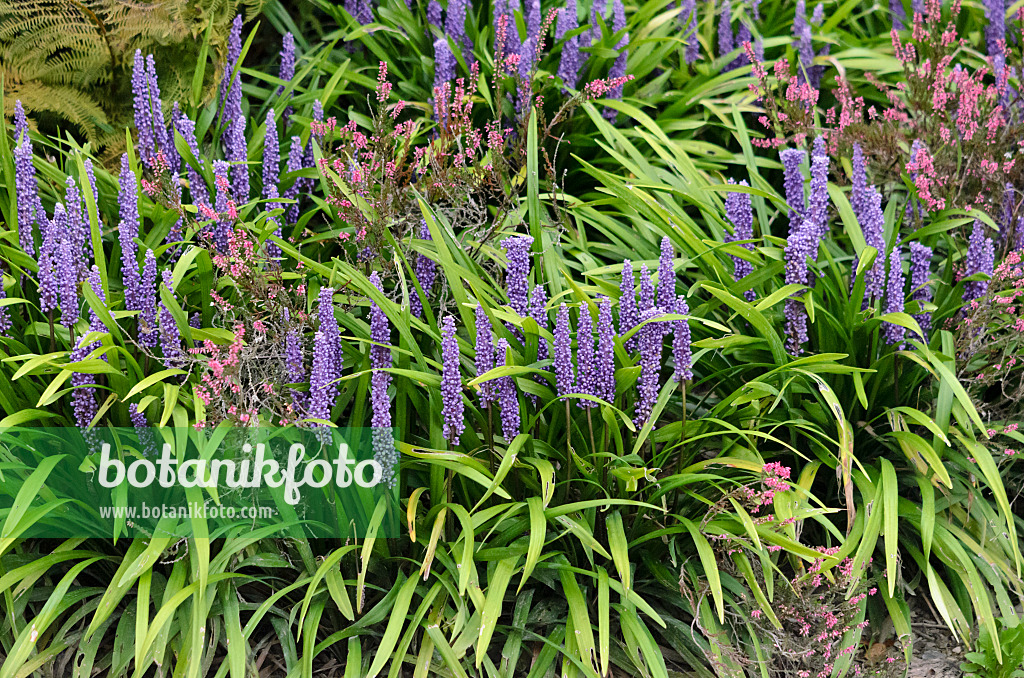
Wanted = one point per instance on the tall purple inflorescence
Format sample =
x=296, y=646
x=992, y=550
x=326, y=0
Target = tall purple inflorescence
x=272, y=178
x=30, y=208
x=295, y=366
x=891, y=332
x=455, y=27
x=585, y=358
x=451, y=383
x=618, y=69
x=532, y=12
x=629, y=313
x=143, y=106
x=569, y=65
x=872, y=224
x=425, y=271
x=196, y=183
x=650, y=365
x=156, y=104
x=149, y=333
x=484, y=360
x=295, y=163
x=920, y=277
x=980, y=259
x=565, y=380
x=995, y=31
x=800, y=246
x=647, y=300
x=170, y=335
x=435, y=14
x=666, y=275
x=505, y=390
x=688, y=16
x=682, y=350
x=222, y=227
x=817, y=212
x=233, y=135
x=54, y=232
x=287, y=71
x=380, y=359
x=739, y=210
x=859, y=184
x=327, y=359
x=67, y=281
x=793, y=181
x=726, y=43
x=83, y=398
x=604, y=380
x=517, y=250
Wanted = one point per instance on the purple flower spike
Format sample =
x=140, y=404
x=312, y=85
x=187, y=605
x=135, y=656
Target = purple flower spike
x=271, y=161
x=149, y=333
x=287, y=71
x=604, y=387
x=128, y=231
x=800, y=246
x=920, y=277
x=295, y=364
x=294, y=164
x=196, y=183
x=740, y=212
x=5, y=314
x=892, y=333
x=444, y=63
x=517, y=250
x=629, y=313
x=426, y=273
x=564, y=377
x=484, y=354
x=859, y=184
x=30, y=208
x=666, y=275
x=434, y=14
x=995, y=31
x=873, y=226
x=817, y=213
x=143, y=105
x=647, y=300
x=451, y=383
x=650, y=366
x=78, y=225
x=170, y=335
x=455, y=27
x=726, y=43
x=533, y=20
x=793, y=181
x=688, y=16
x=539, y=313
x=980, y=259
x=682, y=351
x=321, y=389
x=587, y=374
x=569, y=65
x=20, y=123
x=55, y=232
x=67, y=280
x=508, y=399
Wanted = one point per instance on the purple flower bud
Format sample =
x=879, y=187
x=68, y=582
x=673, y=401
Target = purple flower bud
x=650, y=366
x=196, y=182
x=195, y=321
x=426, y=273
x=629, y=313
x=146, y=439
x=539, y=313
x=238, y=155
x=920, y=277
x=564, y=377
x=78, y=226
x=604, y=387
x=322, y=390
x=287, y=70
x=20, y=123
x=681, y=349
x=484, y=354
x=517, y=251
x=507, y=396
x=587, y=374
x=740, y=212
x=444, y=65
x=234, y=52
x=360, y=10
x=156, y=106
x=223, y=227
x=892, y=333
x=980, y=259
x=451, y=383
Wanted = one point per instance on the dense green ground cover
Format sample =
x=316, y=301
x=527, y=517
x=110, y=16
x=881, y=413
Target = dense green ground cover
x=671, y=397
